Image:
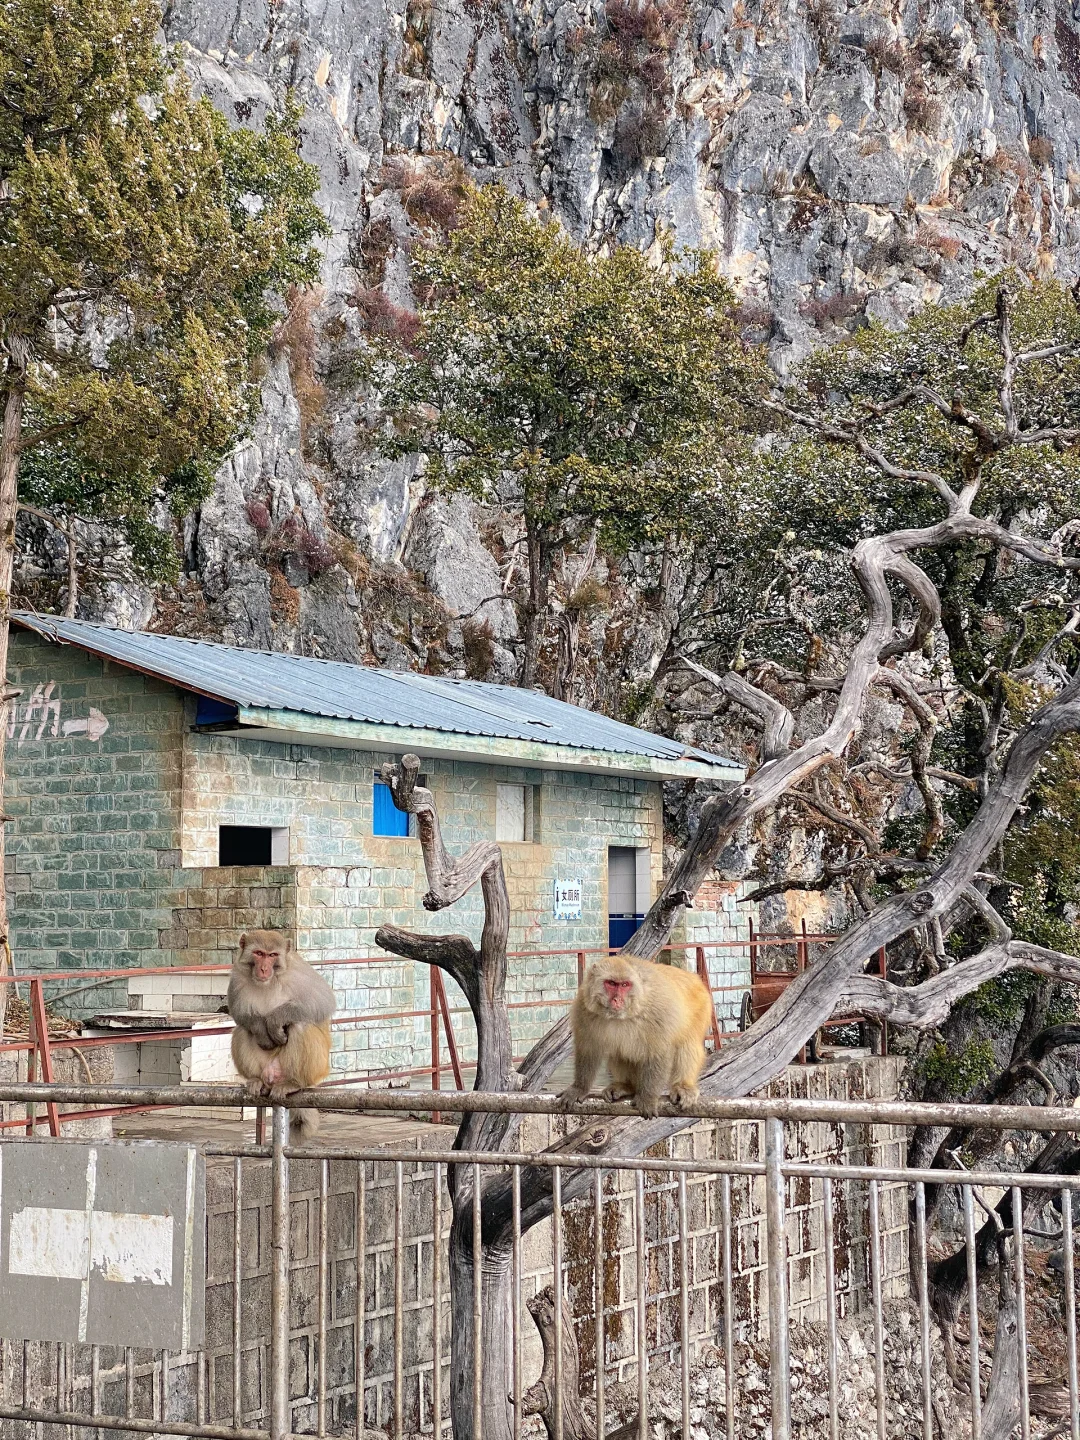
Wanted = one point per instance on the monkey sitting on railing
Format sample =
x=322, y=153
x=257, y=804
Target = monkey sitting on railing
x=648, y=1022
x=282, y=1011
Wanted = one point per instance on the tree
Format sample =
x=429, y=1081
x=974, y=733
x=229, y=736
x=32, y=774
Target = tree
x=142, y=243
x=1024, y=360
x=580, y=392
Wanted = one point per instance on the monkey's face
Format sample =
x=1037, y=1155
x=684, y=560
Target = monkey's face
x=265, y=954
x=615, y=989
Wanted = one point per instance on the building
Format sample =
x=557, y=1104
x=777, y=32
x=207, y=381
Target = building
x=165, y=794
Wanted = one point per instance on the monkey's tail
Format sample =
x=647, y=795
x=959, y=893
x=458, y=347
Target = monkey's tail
x=307, y=1123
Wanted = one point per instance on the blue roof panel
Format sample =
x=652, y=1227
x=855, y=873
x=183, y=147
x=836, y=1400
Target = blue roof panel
x=336, y=690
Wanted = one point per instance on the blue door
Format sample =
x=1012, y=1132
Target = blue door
x=620, y=928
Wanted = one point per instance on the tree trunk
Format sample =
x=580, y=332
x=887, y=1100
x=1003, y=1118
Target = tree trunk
x=539, y=559
x=10, y=435
x=496, y=1359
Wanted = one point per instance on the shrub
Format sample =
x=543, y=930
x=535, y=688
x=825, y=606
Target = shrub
x=1041, y=149
x=259, y=516
x=478, y=641
x=831, y=309
x=384, y=319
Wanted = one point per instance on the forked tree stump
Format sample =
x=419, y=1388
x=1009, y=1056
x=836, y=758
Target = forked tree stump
x=541, y=1398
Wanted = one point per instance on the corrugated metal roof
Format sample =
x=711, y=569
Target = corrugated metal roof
x=329, y=688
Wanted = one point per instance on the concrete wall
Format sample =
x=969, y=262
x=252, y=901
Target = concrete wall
x=116, y=805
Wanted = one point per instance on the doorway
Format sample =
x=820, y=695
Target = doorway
x=628, y=892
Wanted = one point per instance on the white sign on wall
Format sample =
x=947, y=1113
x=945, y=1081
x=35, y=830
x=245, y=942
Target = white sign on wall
x=103, y=1243
x=568, y=899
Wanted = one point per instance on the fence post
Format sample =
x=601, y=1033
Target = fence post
x=433, y=1019
x=703, y=971
x=280, y=1416
x=580, y=966
x=883, y=970
x=779, y=1371
x=39, y=1042
x=448, y=1026
x=802, y=959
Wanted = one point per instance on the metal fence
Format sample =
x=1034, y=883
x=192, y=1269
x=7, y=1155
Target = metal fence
x=328, y=1292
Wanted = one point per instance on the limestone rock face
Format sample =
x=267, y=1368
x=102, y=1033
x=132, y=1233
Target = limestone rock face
x=844, y=160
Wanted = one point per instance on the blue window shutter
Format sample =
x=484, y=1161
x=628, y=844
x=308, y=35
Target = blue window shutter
x=388, y=819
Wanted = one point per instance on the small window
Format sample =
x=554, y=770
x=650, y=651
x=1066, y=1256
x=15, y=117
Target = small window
x=253, y=845
x=515, y=812
x=387, y=819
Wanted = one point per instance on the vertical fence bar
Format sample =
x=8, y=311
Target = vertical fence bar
x=163, y=1383
x=684, y=1305
x=200, y=1386
x=1021, y=1309
x=515, y=1319
x=557, y=1267
x=95, y=1382
x=779, y=1362
x=706, y=979
x=598, y=1300
x=436, y=1302
x=324, y=1207
x=973, y=1312
x=830, y=1307
x=580, y=966
x=129, y=1383
x=280, y=1418
x=237, y=1265
x=399, y=1300
x=876, y=1300
x=924, y=1309
x=1070, y=1310
x=360, y=1352
x=478, y=1307
x=729, y=1318
x=436, y=1049
x=642, y=1340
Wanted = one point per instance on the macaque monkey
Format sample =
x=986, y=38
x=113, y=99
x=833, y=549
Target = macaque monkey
x=649, y=1023
x=282, y=1010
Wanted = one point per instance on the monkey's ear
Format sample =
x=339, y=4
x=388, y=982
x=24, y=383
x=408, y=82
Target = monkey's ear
x=243, y=941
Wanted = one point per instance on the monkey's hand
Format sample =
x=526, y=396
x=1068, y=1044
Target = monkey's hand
x=278, y=1033
x=278, y=1021
x=570, y=1096
x=254, y=1087
x=648, y=1105
x=684, y=1094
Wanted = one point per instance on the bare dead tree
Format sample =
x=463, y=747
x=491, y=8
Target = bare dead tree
x=480, y=1245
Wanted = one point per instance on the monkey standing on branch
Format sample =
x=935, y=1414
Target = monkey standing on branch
x=282, y=1010
x=649, y=1023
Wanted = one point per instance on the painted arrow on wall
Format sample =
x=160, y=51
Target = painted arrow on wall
x=93, y=726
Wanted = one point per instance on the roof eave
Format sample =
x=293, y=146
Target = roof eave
x=296, y=727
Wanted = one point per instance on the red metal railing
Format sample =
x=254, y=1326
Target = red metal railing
x=439, y=1014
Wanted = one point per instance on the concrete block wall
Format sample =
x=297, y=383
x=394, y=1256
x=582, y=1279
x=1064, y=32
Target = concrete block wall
x=705, y=1140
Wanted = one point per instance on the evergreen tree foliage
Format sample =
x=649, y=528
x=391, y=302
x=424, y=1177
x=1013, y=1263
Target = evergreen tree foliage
x=578, y=391
x=141, y=244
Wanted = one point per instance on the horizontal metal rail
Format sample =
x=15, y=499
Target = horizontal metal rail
x=771, y=941
x=841, y=1112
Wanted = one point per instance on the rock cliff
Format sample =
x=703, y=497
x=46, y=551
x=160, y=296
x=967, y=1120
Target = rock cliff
x=844, y=160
